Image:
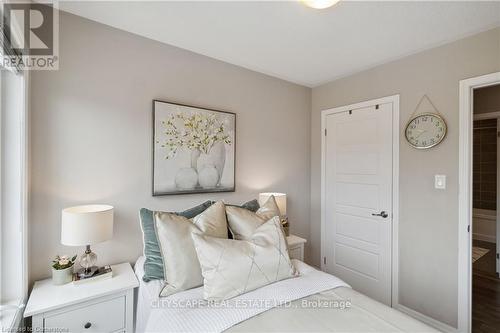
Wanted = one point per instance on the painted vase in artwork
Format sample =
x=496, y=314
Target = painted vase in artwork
x=214, y=159
x=186, y=179
x=208, y=177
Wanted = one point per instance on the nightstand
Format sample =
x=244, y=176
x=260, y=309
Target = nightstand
x=94, y=306
x=296, y=247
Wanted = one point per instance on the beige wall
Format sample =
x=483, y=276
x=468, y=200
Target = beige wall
x=428, y=217
x=91, y=134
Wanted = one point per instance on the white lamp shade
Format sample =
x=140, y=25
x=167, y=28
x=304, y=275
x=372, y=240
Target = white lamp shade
x=279, y=197
x=86, y=225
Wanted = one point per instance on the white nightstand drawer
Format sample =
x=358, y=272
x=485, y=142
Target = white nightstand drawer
x=296, y=247
x=295, y=253
x=107, y=316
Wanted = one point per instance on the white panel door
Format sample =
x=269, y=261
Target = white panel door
x=358, y=199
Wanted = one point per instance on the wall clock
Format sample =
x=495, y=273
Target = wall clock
x=425, y=130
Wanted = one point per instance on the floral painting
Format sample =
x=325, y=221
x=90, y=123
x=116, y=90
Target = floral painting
x=194, y=149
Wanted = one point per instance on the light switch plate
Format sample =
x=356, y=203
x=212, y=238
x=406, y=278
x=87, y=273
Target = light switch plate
x=440, y=182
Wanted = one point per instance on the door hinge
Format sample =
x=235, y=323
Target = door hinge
x=324, y=260
x=325, y=131
x=376, y=107
x=350, y=111
x=468, y=228
x=498, y=255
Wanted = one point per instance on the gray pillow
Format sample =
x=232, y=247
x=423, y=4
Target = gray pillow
x=252, y=205
x=153, y=265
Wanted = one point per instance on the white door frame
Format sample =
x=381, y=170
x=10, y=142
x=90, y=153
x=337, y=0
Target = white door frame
x=395, y=181
x=465, y=196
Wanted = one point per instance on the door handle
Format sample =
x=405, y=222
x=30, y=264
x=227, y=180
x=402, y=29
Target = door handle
x=381, y=214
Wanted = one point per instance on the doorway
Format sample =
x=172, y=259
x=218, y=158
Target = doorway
x=360, y=150
x=485, y=205
x=475, y=313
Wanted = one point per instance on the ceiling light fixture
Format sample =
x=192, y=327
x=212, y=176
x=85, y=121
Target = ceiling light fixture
x=319, y=4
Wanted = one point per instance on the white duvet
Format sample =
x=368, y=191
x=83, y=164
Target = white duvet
x=277, y=307
x=188, y=312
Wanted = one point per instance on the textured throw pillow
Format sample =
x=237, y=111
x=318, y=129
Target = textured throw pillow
x=233, y=267
x=242, y=222
x=153, y=265
x=182, y=268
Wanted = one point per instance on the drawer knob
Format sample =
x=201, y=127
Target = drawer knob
x=87, y=325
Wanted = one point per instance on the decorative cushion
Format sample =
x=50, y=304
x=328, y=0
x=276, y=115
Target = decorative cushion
x=182, y=268
x=252, y=205
x=233, y=267
x=242, y=222
x=153, y=265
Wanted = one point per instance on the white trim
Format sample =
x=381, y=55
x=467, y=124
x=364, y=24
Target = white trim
x=395, y=183
x=489, y=115
x=24, y=140
x=25, y=180
x=395, y=201
x=464, y=195
x=426, y=319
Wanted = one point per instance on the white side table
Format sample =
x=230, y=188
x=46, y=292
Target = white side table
x=96, y=306
x=296, y=247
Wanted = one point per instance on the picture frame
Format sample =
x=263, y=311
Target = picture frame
x=193, y=149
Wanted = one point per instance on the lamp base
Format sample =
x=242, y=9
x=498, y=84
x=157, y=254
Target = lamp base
x=88, y=262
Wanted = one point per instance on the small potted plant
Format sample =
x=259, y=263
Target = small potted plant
x=62, y=269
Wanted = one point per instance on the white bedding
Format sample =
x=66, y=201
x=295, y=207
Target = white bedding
x=156, y=314
x=147, y=294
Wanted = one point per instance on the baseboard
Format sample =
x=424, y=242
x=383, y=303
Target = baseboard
x=485, y=238
x=426, y=319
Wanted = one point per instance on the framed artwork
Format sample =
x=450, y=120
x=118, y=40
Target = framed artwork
x=193, y=149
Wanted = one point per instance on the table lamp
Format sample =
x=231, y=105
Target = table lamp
x=279, y=197
x=85, y=226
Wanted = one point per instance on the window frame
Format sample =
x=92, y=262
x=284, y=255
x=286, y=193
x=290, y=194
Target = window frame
x=24, y=162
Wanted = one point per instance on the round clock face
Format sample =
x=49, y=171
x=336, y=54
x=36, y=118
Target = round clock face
x=426, y=130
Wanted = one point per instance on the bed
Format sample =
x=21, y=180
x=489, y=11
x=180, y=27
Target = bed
x=313, y=302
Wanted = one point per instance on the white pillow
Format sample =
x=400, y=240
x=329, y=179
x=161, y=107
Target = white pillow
x=181, y=265
x=243, y=222
x=233, y=267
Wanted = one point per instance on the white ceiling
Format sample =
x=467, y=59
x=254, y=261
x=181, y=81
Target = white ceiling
x=288, y=40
